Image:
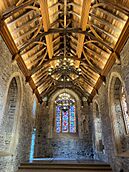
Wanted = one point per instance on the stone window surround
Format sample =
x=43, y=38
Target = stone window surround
x=75, y=121
x=112, y=79
x=51, y=133
x=14, y=139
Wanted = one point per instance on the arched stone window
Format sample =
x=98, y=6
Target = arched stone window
x=53, y=111
x=98, y=129
x=125, y=109
x=119, y=113
x=11, y=115
x=65, y=114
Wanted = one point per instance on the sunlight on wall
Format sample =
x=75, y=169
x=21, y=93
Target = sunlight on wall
x=32, y=145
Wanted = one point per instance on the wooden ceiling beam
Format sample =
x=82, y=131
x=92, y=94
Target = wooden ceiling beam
x=26, y=34
x=36, y=54
x=58, y=51
x=40, y=75
x=84, y=20
x=122, y=6
x=4, y=32
x=90, y=68
x=15, y=9
x=44, y=83
x=36, y=69
x=44, y=86
x=51, y=91
x=25, y=25
x=94, y=69
x=99, y=56
x=112, y=36
x=112, y=59
x=113, y=15
x=86, y=79
x=46, y=26
x=107, y=53
x=105, y=22
x=44, y=80
x=54, y=5
x=31, y=49
x=82, y=88
x=64, y=31
x=35, y=62
x=74, y=4
x=92, y=61
x=44, y=92
x=14, y=21
x=88, y=74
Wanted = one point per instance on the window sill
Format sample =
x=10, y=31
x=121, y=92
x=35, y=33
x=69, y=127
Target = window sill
x=4, y=153
x=58, y=135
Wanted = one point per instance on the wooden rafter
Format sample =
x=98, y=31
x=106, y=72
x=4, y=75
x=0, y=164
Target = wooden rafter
x=46, y=26
x=84, y=20
x=4, y=32
x=113, y=57
x=41, y=34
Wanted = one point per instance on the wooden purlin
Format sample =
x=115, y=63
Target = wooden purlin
x=4, y=32
x=113, y=57
x=16, y=9
x=84, y=20
x=46, y=26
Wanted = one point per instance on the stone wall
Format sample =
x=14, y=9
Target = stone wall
x=15, y=148
x=117, y=160
x=64, y=145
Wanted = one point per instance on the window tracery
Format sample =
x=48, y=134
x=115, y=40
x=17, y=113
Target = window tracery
x=65, y=114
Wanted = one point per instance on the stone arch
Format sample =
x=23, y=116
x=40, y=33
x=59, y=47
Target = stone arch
x=51, y=109
x=115, y=111
x=12, y=113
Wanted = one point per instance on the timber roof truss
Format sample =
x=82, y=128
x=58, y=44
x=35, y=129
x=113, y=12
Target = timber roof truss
x=64, y=43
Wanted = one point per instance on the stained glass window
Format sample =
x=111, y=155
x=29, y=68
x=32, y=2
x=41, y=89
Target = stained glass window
x=72, y=119
x=65, y=114
x=58, y=119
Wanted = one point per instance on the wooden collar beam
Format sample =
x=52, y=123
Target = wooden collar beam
x=64, y=32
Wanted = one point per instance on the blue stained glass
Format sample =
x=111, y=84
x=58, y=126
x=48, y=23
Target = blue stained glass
x=65, y=114
x=65, y=121
x=58, y=119
x=72, y=119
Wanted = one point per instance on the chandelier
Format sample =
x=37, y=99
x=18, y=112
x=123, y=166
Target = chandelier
x=64, y=67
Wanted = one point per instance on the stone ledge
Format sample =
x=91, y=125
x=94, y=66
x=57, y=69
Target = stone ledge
x=4, y=153
x=123, y=154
